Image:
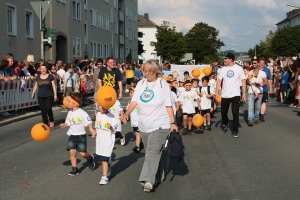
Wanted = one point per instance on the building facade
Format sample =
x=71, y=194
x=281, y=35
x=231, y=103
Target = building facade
x=292, y=19
x=148, y=31
x=84, y=27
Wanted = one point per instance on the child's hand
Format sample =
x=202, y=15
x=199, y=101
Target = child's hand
x=200, y=94
x=93, y=133
x=108, y=125
x=63, y=125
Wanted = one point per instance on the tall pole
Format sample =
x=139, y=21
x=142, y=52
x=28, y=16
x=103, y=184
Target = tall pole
x=42, y=33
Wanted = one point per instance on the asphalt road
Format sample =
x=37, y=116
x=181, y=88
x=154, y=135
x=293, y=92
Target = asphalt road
x=263, y=163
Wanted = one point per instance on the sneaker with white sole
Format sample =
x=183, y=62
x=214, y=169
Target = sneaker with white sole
x=148, y=187
x=122, y=140
x=74, y=171
x=136, y=149
x=92, y=163
x=126, y=91
x=109, y=169
x=104, y=180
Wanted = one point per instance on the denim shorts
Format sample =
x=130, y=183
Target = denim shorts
x=77, y=142
x=99, y=158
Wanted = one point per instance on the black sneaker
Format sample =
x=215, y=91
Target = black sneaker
x=92, y=163
x=136, y=149
x=205, y=127
x=209, y=127
x=141, y=145
x=235, y=134
x=250, y=123
x=184, y=132
x=74, y=172
x=189, y=132
x=224, y=129
x=261, y=117
x=202, y=128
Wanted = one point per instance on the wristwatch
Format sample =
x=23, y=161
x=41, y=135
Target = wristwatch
x=174, y=122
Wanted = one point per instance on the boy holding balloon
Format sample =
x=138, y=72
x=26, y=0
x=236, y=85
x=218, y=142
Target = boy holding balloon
x=77, y=119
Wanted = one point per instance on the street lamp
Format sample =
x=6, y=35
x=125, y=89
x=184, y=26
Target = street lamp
x=262, y=25
x=254, y=41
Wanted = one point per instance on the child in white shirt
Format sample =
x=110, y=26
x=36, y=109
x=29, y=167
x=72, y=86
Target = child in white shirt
x=77, y=119
x=187, y=99
x=106, y=125
x=117, y=111
x=206, y=94
x=195, y=88
x=134, y=124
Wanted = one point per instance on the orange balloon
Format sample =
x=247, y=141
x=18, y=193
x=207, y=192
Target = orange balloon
x=165, y=78
x=40, y=132
x=197, y=120
x=65, y=103
x=207, y=71
x=106, y=96
x=219, y=99
x=196, y=72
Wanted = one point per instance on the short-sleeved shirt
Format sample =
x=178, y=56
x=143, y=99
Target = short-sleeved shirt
x=77, y=121
x=96, y=74
x=68, y=77
x=138, y=74
x=129, y=73
x=134, y=118
x=115, y=110
x=45, y=88
x=110, y=78
x=284, y=78
x=205, y=102
x=187, y=99
x=232, y=78
x=267, y=71
x=260, y=76
x=152, y=99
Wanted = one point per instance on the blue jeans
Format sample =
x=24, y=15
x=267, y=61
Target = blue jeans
x=253, y=107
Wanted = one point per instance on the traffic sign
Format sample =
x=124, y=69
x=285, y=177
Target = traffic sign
x=36, y=5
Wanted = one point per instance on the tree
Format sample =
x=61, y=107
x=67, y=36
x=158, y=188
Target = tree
x=202, y=42
x=170, y=44
x=140, y=44
x=286, y=42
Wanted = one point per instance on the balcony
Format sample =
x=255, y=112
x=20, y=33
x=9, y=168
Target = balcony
x=121, y=14
x=121, y=39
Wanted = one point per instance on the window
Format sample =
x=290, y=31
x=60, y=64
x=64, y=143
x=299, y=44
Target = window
x=116, y=27
x=93, y=17
x=85, y=33
x=112, y=40
x=116, y=4
x=106, y=54
x=11, y=12
x=62, y=1
x=29, y=24
x=94, y=49
x=85, y=4
x=121, y=53
x=116, y=51
x=101, y=51
x=126, y=10
x=111, y=14
x=106, y=23
x=100, y=20
x=126, y=52
x=76, y=47
x=76, y=10
x=126, y=32
x=98, y=50
x=107, y=1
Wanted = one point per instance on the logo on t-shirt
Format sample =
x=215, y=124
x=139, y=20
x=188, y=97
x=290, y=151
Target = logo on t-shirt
x=109, y=80
x=147, y=96
x=89, y=119
x=230, y=74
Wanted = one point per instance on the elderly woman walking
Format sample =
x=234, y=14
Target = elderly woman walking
x=152, y=96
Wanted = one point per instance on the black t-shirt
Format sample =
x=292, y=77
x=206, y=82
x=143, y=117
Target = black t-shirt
x=110, y=78
x=45, y=86
x=31, y=70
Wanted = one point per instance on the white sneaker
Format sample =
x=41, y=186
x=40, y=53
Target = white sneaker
x=126, y=91
x=5, y=114
x=109, y=169
x=148, y=187
x=104, y=181
x=122, y=140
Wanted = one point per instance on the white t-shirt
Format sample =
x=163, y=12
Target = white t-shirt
x=212, y=83
x=197, y=92
x=219, y=71
x=232, y=78
x=205, y=103
x=115, y=110
x=259, y=78
x=180, y=90
x=77, y=121
x=152, y=99
x=134, y=118
x=105, y=139
x=174, y=99
x=61, y=73
x=187, y=99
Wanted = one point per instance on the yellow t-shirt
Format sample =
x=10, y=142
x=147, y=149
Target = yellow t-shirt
x=129, y=73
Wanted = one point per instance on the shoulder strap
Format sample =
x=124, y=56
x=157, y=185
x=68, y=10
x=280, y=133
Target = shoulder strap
x=200, y=89
x=208, y=89
x=160, y=83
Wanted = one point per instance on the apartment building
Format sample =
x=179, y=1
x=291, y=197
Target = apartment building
x=292, y=19
x=97, y=28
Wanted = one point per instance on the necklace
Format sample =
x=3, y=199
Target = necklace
x=153, y=85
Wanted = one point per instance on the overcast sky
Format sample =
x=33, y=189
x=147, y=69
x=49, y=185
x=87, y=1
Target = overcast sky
x=231, y=17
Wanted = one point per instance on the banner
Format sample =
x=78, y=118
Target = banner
x=180, y=69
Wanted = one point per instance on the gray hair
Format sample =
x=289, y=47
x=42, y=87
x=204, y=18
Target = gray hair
x=153, y=66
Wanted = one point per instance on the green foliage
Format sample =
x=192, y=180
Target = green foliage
x=170, y=44
x=286, y=42
x=202, y=42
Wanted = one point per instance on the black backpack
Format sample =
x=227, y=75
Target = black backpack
x=175, y=147
x=208, y=89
